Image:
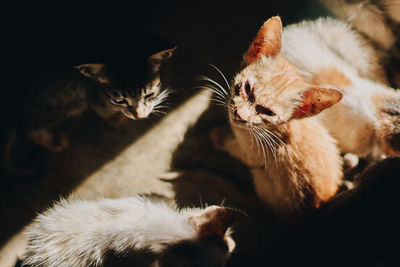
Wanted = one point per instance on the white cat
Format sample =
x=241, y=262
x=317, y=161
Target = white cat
x=328, y=53
x=149, y=231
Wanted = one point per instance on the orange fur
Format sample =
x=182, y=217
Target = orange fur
x=299, y=165
x=331, y=76
x=265, y=43
x=316, y=100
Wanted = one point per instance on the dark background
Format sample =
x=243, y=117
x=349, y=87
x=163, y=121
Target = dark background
x=205, y=32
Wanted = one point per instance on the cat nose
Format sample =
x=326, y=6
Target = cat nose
x=237, y=117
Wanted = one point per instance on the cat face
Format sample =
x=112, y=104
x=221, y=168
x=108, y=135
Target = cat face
x=137, y=97
x=269, y=91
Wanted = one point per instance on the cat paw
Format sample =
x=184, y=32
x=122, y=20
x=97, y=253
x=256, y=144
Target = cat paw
x=218, y=137
x=350, y=162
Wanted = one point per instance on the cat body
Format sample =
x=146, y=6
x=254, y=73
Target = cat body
x=379, y=22
x=327, y=53
x=295, y=162
x=59, y=90
x=86, y=233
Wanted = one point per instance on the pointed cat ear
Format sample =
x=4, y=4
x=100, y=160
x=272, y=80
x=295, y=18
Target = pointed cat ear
x=267, y=41
x=94, y=71
x=157, y=59
x=216, y=220
x=316, y=100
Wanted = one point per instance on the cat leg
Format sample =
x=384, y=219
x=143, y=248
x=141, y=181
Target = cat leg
x=52, y=141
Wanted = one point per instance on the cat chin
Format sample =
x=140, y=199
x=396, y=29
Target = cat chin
x=129, y=115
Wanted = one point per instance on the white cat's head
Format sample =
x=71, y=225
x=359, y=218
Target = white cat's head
x=268, y=90
x=212, y=244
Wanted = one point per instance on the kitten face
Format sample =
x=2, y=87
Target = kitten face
x=269, y=91
x=136, y=95
x=139, y=102
x=266, y=92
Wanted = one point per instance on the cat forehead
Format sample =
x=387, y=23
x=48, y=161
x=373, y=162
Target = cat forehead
x=268, y=68
x=272, y=78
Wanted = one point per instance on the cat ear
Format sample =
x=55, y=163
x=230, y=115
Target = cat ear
x=157, y=59
x=216, y=220
x=267, y=41
x=316, y=100
x=94, y=71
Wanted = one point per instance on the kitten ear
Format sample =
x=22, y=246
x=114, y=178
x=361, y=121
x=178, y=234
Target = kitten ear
x=267, y=41
x=316, y=100
x=94, y=71
x=216, y=220
x=157, y=59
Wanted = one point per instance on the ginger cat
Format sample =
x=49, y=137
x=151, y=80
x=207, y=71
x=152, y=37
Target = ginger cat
x=295, y=162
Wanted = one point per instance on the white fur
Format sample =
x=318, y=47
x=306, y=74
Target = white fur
x=78, y=233
x=325, y=43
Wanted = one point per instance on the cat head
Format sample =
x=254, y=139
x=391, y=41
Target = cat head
x=212, y=244
x=135, y=94
x=268, y=90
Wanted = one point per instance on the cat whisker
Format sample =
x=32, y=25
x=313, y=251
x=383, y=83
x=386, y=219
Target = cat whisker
x=271, y=133
x=215, y=90
x=265, y=140
x=162, y=96
x=223, y=76
x=261, y=143
x=159, y=112
x=265, y=134
x=218, y=103
x=272, y=144
x=201, y=201
x=222, y=89
x=223, y=202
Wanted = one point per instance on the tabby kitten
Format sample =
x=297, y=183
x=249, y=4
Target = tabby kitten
x=136, y=231
x=295, y=162
x=328, y=53
x=60, y=91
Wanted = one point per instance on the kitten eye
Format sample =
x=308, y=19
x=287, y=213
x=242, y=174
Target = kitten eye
x=148, y=95
x=264, y=110
x=237, y=89
x=120, y=101
x=247, y=88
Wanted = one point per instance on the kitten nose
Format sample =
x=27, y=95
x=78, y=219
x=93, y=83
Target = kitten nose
x=237, y=117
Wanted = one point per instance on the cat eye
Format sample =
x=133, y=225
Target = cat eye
x=150, y=95
x=237, y=89
x=120, y=101
x=247, y=88
x=263, y=110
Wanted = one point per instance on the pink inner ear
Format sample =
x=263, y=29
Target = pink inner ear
x=316, y=100
x=267, y=41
